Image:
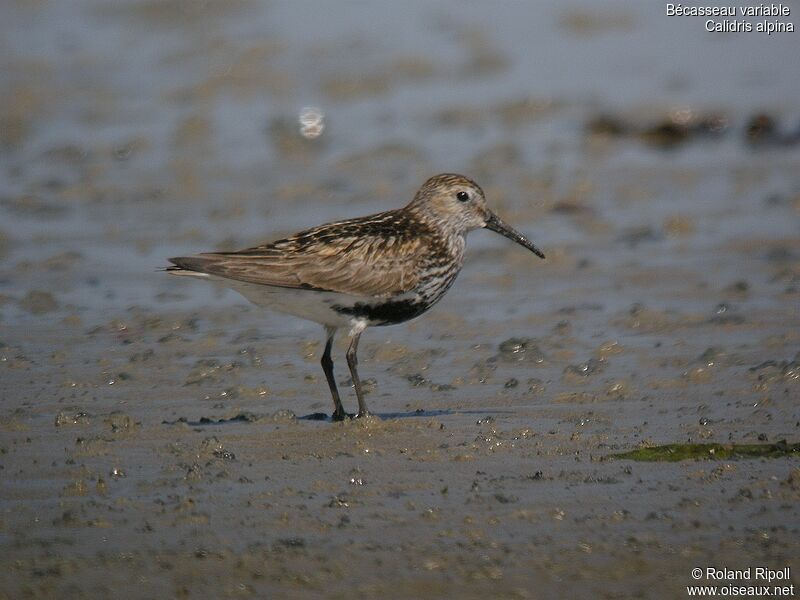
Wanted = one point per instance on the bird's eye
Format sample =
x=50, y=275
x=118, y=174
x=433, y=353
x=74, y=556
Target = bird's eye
x=462, y=196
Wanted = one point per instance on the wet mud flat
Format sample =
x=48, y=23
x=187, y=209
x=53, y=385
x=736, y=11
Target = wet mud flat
x=178, y=454
x=161, y=438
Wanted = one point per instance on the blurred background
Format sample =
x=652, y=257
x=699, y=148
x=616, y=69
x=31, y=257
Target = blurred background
x=136, y=130
x=152, y=438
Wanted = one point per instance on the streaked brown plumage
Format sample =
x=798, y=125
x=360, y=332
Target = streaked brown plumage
x=367, y=256
x=380, y=269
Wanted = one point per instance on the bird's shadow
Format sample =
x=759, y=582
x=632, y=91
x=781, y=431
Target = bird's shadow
x=244, y=418
x=419, y=413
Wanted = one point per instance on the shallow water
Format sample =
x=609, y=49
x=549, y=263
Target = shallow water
x=152, y=438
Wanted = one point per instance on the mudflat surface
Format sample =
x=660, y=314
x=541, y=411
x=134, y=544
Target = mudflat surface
x=157, y=436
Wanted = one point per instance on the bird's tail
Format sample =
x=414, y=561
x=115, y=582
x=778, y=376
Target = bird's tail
x=182, y=266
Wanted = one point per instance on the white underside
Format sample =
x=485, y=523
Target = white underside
x=306, y=304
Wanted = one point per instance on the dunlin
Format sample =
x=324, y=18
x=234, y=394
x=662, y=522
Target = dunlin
x=380, y=269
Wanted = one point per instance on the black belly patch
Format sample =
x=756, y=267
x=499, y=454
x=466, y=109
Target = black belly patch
x=385, y=313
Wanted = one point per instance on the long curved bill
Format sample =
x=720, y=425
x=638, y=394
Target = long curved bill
x=496, y=224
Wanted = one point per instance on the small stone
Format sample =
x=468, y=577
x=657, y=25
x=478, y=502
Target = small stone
x=521, y=350
x=590, y=367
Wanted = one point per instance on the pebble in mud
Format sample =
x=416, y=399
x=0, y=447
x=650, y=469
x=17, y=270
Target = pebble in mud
x=618, y=389
x=581, y=371
x=212, y=447
x=711, y=357
x=536, y=387
x=417, y=380
x=71, y=418
x=121, y=423
x=771, y=372
x=724, y=315
x=608, y=348
x=521, y=350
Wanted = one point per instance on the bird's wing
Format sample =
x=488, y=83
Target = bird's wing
x=361, y=257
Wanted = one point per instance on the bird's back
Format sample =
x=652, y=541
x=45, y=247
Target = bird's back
x=385, y=255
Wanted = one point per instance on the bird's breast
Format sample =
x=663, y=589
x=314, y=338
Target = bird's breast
x=432, y=271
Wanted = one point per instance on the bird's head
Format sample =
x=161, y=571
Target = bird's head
x=458, y=203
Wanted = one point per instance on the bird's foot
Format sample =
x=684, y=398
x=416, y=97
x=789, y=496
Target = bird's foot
x=340, y=415
x=364, y=414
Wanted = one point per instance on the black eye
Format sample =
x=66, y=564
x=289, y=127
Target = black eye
x=462, y=196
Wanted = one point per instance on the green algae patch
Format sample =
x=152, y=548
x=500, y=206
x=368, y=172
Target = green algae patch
x=678, y=452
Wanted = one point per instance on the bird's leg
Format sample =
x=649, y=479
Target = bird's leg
x=352, y=362
x=327, y=366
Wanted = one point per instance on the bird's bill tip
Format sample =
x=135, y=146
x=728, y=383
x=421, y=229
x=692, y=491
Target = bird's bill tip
x=496, y=224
